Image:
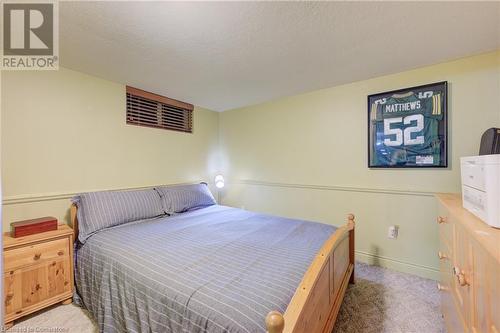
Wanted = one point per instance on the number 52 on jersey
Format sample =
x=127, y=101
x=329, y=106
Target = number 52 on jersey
x=408, y=127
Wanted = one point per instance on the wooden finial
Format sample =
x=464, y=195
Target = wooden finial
x=275, y=323
x=350, y=217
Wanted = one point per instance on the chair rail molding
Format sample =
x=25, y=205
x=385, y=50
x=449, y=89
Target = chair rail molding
x=335, y=188
x=39, y=197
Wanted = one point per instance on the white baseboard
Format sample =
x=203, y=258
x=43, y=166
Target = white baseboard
x=397, y=265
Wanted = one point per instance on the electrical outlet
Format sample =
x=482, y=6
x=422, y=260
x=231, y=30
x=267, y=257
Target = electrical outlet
x=393, y=231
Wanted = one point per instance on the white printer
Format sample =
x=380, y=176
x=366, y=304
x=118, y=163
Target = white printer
x=481, y=187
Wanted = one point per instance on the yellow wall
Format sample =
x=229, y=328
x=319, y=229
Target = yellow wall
x=64, y=132
x=306, y=156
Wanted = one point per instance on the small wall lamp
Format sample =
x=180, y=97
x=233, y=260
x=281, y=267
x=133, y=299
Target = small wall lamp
x=219, y=181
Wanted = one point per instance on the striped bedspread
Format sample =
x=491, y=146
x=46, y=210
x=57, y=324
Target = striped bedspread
x=216, y=269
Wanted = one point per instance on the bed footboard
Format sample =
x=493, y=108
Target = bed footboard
x=316, y=302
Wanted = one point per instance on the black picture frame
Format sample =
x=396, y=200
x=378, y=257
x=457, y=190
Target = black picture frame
x=428, y=107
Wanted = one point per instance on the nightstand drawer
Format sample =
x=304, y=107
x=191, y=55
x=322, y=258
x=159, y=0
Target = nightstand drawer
x=35, y=254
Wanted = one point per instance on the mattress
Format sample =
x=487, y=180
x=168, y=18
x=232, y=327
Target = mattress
x=216, y=269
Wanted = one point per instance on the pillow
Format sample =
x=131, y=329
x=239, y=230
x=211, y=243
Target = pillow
x=99, y=210
x=178, y=199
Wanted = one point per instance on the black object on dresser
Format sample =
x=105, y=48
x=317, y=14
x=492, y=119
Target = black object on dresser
x=490, y=142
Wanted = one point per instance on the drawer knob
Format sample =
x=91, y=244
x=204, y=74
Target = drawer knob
x=37, y=256
x=8, y=297
x=441, y=220
x=462, y=281
x=441, y=255
x=60, y=253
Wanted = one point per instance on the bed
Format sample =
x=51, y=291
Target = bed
x=214, y=269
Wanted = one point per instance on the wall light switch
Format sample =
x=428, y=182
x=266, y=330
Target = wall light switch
x=393, y=232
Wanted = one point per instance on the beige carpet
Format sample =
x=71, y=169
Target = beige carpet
x=381, y=301
x=387, y=301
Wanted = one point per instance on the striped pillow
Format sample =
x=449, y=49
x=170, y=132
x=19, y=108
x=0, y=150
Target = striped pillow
x=99, y=210
x=178, y=199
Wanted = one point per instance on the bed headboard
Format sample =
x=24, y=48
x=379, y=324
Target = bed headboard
x=74, y=220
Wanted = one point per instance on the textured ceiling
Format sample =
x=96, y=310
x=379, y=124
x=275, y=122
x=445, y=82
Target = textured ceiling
x=224, y=55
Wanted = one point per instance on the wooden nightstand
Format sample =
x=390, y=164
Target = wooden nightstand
x=38, y=271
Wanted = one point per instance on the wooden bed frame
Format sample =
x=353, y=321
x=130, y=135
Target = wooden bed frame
x=315, y=305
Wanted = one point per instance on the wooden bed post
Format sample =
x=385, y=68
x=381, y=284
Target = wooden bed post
x=351, y=224
x=74, y=221
x=275, y=323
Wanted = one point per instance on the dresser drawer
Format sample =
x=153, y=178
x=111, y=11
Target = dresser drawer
x=445, y=264
x=445, y=223
x=453, y=322
x=36, y=253
x=462, y=270
x=446, y=274
x=452, y=315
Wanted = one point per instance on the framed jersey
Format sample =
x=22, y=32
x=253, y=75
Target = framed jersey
x=407, y=128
